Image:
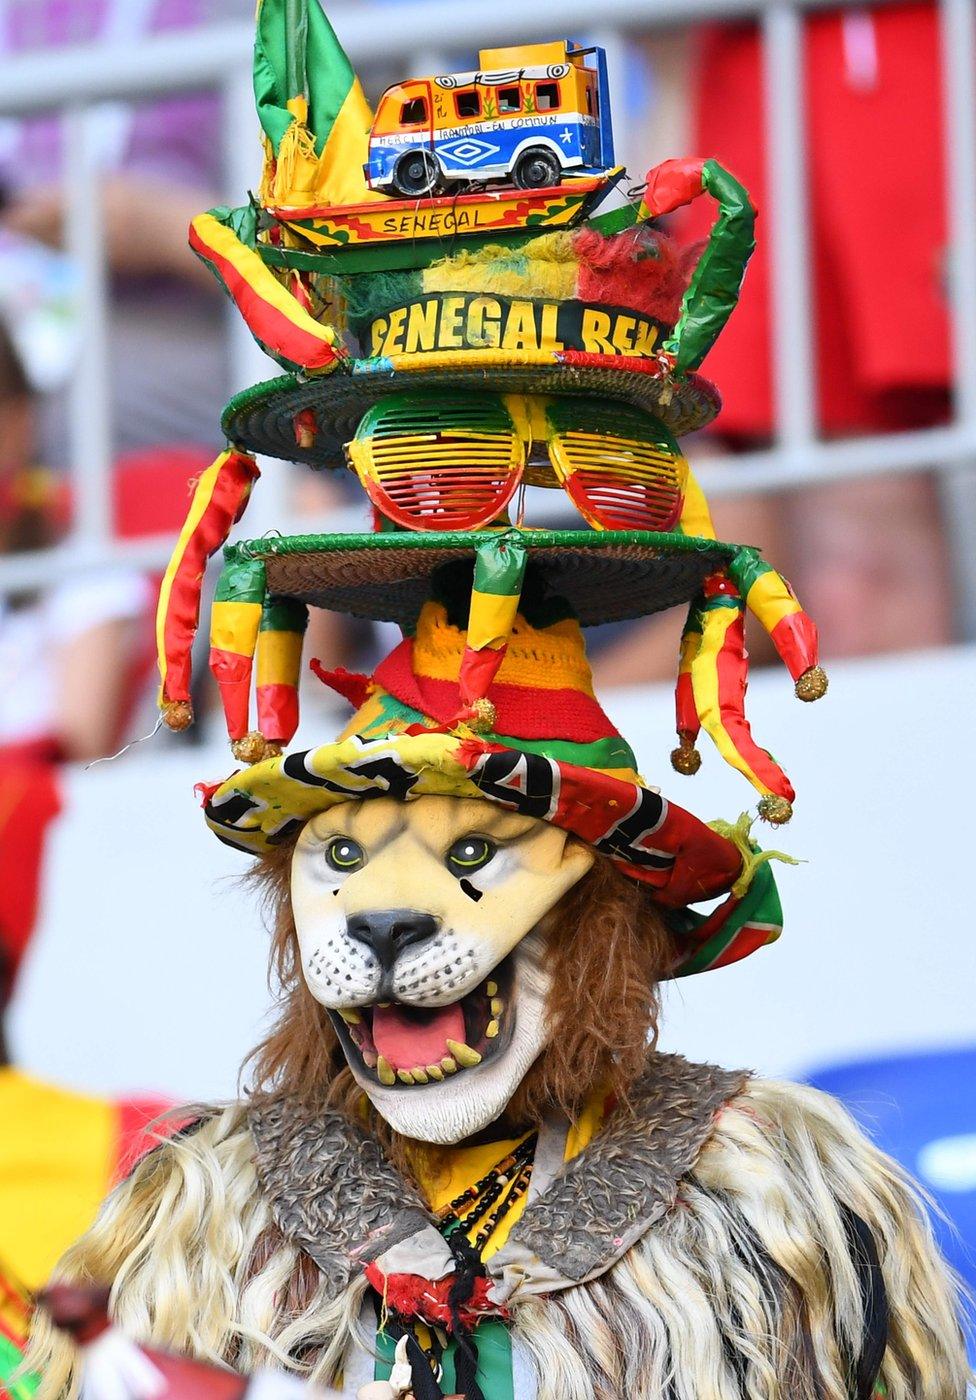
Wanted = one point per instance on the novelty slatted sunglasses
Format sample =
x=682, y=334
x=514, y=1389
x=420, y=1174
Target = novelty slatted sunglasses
x=438, y=464
x=429, y=462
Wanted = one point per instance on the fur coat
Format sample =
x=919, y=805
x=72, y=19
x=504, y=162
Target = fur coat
x=723, y=1238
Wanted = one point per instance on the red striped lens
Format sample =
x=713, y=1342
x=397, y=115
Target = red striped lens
x=429, y=462
x=622, y=469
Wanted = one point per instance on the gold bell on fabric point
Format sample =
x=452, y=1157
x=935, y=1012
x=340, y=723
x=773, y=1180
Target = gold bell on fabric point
x=812, y=685
x=483, y=715
x=685, y=758
x=177, y=715
x=254, y=748
x=775, y=810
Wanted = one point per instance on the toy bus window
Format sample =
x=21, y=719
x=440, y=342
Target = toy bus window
x=589, y=102
x=468, y=103
x=509, y=100
x=546, y=96
x=413, y=111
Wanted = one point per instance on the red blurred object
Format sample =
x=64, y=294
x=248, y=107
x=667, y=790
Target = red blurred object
x=152, y=489
x=878, y=212
x=82, y=1312
x=30, y=799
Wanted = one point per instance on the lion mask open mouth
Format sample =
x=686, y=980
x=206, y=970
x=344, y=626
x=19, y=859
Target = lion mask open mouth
x=413, y=923
x=408, y=1045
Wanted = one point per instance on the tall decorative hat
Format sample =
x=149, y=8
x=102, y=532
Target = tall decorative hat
x=465, y=304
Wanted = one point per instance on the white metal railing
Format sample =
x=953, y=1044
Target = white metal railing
x=75, y=81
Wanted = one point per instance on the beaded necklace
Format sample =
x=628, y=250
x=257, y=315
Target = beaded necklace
x=484, y=1205
x=494, y=1195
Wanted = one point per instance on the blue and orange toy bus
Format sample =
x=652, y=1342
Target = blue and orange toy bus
x=530, y=116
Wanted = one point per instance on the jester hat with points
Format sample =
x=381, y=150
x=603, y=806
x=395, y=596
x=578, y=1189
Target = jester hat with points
x=448, y=373
x=540, y=744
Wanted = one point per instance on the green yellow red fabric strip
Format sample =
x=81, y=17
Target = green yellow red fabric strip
x=499, y=569
x=235, y=621
x=719, y=673
x=278, y=322
x=713, y=291
x=733, y=930
x=218, y=502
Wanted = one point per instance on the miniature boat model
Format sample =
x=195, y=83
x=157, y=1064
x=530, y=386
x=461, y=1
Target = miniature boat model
x=498, y=211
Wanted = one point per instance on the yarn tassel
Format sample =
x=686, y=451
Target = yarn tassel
x=719, y=677
x=234, y=624
x=296, y=163
x=219, y=499
x=279, y=662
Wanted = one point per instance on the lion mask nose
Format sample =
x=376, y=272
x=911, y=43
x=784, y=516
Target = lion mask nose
x=388, y=931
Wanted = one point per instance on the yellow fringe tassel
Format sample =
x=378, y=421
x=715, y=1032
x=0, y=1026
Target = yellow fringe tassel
x=297, y=166
x=752, y=857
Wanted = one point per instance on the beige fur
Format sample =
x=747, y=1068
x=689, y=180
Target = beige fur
x=749, y=1270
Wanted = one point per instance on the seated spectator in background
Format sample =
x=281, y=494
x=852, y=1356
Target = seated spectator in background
x=65, y=651
x=160, y=163
x=66, y=657
x=66, y=654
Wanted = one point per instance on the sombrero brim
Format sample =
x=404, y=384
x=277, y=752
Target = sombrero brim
x=604, y=576
x=262, y=418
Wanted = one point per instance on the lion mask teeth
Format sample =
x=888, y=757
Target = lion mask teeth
x=406, y=1045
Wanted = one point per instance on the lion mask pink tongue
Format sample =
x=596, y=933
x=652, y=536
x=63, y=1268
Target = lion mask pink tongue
x=407, y=1039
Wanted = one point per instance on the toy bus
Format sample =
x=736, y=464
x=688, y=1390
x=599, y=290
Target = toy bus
x=530, y=116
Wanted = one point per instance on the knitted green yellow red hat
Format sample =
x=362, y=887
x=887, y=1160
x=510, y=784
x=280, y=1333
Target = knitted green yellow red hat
x=551, y=753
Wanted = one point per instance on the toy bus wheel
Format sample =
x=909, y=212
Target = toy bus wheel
x=416, y=173
x=537, y=169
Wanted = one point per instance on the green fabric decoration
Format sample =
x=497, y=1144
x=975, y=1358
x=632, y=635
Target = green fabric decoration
x=494, y=1361
x=499, y=564
x=11, y=1358
x=242, y=580
x=746, y=568
x=296, y=54
x=714, y=287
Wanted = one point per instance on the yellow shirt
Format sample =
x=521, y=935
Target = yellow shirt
x=465, y=1165
x=58, y=1153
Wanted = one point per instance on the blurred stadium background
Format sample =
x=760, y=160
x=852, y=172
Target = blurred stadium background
x=847, y=450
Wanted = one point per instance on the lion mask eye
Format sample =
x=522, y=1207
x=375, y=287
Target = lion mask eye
x=345, y=855
x=469, y=854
